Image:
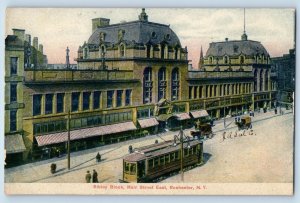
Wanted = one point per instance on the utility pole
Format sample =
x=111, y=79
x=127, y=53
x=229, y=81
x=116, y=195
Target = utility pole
x=181, y=154
x=69, y=137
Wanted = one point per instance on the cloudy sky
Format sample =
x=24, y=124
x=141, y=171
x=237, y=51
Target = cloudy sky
x=59, y=28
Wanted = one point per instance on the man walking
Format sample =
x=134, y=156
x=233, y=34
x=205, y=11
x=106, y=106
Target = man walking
x=95, y=176
x=88, y=177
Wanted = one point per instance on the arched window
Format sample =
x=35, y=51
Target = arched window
x=242, y=59
x=226, y=59
x=147, y=85
x=261, y=80
x=267, y=80
x=162, y=51
x=175, y=84
x=162, y=83
x=85, y=53
x=102, y=51
x=122, y=50
x=148, y=51
x=210, y=60
x=255, y=80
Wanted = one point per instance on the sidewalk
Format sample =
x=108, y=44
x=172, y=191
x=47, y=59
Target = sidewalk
x=84, y=160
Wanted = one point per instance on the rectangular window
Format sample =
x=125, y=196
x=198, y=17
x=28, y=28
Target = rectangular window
x=167, y=158
x=49, y=104
x=110, y=97
x=13, y=65
x=13, y=93
x=86, y=101
x=162, y=160
x=119, y=97
x=96, y=102
x=36, y=104
x=128, y=98
x=150, y=163
x=60, y=102
x=75, y=101
x=13, y=120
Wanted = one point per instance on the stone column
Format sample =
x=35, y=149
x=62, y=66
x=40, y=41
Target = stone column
x=123, y=97
x=91, y=101
x=54, y=104
x=238, y=88
x=134, y=115
x=258, y=81
x=192, y=92
x=43, y=106
x=80, y=102
x=203, y=91
x=218, y=91
x=196, y=92
x=269, y=80
x=264, y=80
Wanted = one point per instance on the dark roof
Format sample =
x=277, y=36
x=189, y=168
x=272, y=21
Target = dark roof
x=235, y=48
x=164, y=148
x=138, y=32
x=13, y=40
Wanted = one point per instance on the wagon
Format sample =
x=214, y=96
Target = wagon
x=244, y=123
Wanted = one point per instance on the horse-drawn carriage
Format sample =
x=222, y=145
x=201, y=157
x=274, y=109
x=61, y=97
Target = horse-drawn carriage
x=244, y=123
x=202, y=130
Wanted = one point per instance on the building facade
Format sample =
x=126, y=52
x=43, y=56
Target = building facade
x=285, y=67
x=132, y=79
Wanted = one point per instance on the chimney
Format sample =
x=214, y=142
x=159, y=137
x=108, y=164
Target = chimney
x=20, y=33
x=35, y=43
x=99, y=22
x=28, y=38
x=41, y=48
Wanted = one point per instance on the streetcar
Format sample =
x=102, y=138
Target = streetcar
x=152, y=162
x=244, y=123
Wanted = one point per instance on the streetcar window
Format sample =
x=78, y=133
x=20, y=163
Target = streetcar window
x=177, y=155
x=190, y=151
x=150, y=163
x=186, y=152
x=132, y=169
x=127, y=167
x=172, y=156
x=162, y=160
x=156, y=160
x=167, y=158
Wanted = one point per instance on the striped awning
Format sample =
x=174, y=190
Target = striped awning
x=183, y=116
x=199, y=114
x=148, y=122
x=84, y=133
x=14, y=144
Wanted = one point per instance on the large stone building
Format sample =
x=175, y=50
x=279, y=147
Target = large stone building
x=285, y=67
x=235, y=76
x=132, y=79
x=19, y=55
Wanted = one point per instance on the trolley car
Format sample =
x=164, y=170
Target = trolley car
x=149, y=163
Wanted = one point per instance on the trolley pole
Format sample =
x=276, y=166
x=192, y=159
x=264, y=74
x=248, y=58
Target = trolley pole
x=69, y=137
x=181, y=154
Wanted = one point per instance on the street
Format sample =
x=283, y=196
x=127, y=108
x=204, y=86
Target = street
x=266, y=156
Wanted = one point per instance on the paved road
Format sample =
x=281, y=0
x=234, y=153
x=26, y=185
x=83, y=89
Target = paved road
x=110, y=169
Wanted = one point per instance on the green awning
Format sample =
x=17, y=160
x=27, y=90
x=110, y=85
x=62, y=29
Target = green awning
x=164, y=117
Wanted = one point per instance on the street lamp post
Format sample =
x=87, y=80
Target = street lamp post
x=69, y=137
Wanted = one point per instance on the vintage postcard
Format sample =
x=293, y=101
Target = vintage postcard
x=149, y=101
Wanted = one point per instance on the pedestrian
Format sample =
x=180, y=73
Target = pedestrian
x=236, y=134
x=95, y=176
x=224, y=136
x=88, y=177
x=98, y=157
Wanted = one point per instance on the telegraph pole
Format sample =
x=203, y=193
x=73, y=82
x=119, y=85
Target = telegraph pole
x=69, y=137
x=181, y=154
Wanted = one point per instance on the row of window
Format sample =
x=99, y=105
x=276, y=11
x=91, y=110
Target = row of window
x=75, y=101
x=212, y=90
x=168, y=158
x=226, y=59
x=145, y=113
x=162, y=84
x=61, y=125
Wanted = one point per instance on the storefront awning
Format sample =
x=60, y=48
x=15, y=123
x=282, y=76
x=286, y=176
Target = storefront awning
x=164, y=117
x=183, y=116
x=148, y=122
x=199, y=114
x=84, y=133
x=14, y=144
